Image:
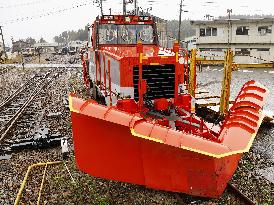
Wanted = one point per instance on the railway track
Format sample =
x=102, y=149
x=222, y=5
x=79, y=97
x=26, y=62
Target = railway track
x=240, y=194
x=14, y=106
x=240, y=197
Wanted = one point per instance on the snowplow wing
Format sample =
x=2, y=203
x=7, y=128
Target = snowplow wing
x=117, y=145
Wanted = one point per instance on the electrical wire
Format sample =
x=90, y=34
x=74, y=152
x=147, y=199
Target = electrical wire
x=23, y=4
x=15, y=20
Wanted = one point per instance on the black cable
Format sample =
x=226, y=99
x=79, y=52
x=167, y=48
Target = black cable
x=22, y=4
x=15, y=20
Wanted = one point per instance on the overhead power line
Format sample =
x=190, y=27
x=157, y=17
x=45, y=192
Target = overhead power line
x=50, y=13
x=22, y=4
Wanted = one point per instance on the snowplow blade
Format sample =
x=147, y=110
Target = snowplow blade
x=116, y=145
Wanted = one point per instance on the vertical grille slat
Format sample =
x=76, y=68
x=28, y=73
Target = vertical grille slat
x=160, y=80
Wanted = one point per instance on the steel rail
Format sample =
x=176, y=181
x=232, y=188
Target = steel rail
x=7, y=127
x=13, y=120
x=240, y=194
x=13, y=95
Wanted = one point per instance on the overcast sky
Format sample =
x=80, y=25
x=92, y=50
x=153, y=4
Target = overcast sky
x=47, y=18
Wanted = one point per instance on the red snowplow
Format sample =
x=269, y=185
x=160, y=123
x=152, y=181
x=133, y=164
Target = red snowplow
x=141, y=126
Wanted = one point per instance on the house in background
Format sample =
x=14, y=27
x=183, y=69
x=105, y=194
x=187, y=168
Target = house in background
x=46, y=47
x=251, y=40
x=190, y=42
x=18, y=46
x=75, y=46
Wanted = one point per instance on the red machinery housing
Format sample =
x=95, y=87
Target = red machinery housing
x=141, y=126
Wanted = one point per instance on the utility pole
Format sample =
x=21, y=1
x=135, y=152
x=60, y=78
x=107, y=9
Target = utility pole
x=101, y=7
x=166, y=36
x=180, y=21
x=4, y=48
x=135, y=7
x=124, y=7
x=229, y=11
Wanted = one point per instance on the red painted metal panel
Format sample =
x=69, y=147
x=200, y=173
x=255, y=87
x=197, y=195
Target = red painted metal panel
x=161, y=104
x=110, y=151
x=128, y=57
x=117, y=155
x=117, y=145
x=104, y=149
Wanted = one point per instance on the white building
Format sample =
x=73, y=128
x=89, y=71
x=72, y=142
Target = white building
x=252, y=40
x=75, y=46
x=190, y=42
x=46, y=47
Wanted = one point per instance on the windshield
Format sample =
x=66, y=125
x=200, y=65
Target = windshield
x=125, y=34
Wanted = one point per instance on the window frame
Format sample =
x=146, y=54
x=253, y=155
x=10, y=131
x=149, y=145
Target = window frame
x=208, y=31
x=242, y=51
x=116, y=31
x=244, y=32
x=268, y=30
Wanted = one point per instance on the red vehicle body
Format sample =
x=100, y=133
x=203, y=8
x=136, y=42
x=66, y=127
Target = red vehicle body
x=141, y=127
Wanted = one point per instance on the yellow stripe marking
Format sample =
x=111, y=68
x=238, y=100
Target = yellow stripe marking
x=204, y=152
x=71, y=107
x=144, y=137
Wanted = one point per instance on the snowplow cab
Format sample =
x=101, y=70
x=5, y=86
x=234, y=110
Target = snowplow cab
x=119, y=30
x=113, y=61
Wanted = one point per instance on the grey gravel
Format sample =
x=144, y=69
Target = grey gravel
x=60, y=188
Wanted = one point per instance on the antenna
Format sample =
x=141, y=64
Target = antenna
x=229, y=11
x=208, y=16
